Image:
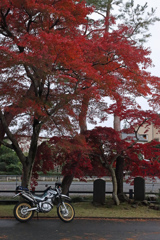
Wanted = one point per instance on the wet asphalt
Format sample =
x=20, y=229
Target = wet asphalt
x=91, y=229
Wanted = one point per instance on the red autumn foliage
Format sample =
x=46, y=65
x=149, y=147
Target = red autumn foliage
x=145, y=159
x=71, y=154
x=93, y=153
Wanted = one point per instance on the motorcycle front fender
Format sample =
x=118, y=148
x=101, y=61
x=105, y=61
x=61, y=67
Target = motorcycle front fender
x=65, y=197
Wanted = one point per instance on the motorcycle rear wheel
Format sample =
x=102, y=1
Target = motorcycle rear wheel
x=66, y=212
x=20, y=212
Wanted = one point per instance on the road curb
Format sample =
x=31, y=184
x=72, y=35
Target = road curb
x=91, y=218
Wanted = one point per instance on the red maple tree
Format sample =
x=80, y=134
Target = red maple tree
x=40, y=48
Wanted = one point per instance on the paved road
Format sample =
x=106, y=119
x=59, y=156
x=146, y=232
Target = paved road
x=46, y=229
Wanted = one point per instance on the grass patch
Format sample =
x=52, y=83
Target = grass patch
x=124, y=210
x=87, y=209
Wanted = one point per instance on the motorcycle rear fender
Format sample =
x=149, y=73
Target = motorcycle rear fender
x=17, y=195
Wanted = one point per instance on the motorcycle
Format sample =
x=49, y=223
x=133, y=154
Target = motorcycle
x=24, y=210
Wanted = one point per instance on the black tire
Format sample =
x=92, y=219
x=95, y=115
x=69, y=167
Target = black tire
x=20, y=212
x=66, y=212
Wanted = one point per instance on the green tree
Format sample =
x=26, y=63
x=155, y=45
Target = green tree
x=9, y=162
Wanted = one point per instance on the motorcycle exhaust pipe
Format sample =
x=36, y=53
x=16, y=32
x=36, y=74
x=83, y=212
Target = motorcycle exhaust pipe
x=26, y=196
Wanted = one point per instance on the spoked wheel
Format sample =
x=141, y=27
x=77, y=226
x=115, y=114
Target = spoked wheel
x=21, y=213
x=66, y=212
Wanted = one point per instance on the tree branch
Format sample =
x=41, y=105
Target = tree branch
x=12, y=138
x=54, y=24
x=136, y=131
x=7, y=145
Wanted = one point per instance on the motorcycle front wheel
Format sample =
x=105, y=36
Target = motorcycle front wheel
x=20, y=212
x=65, y=212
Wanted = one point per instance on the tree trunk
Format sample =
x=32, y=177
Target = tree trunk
x=26, y=176
x=114, y=182
x=117, y=123
x=67, y=180
x=29, y=162
x=83, y=113
x=7, y=118
x=119, y=161
x=108, y=13
x=119, y=174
